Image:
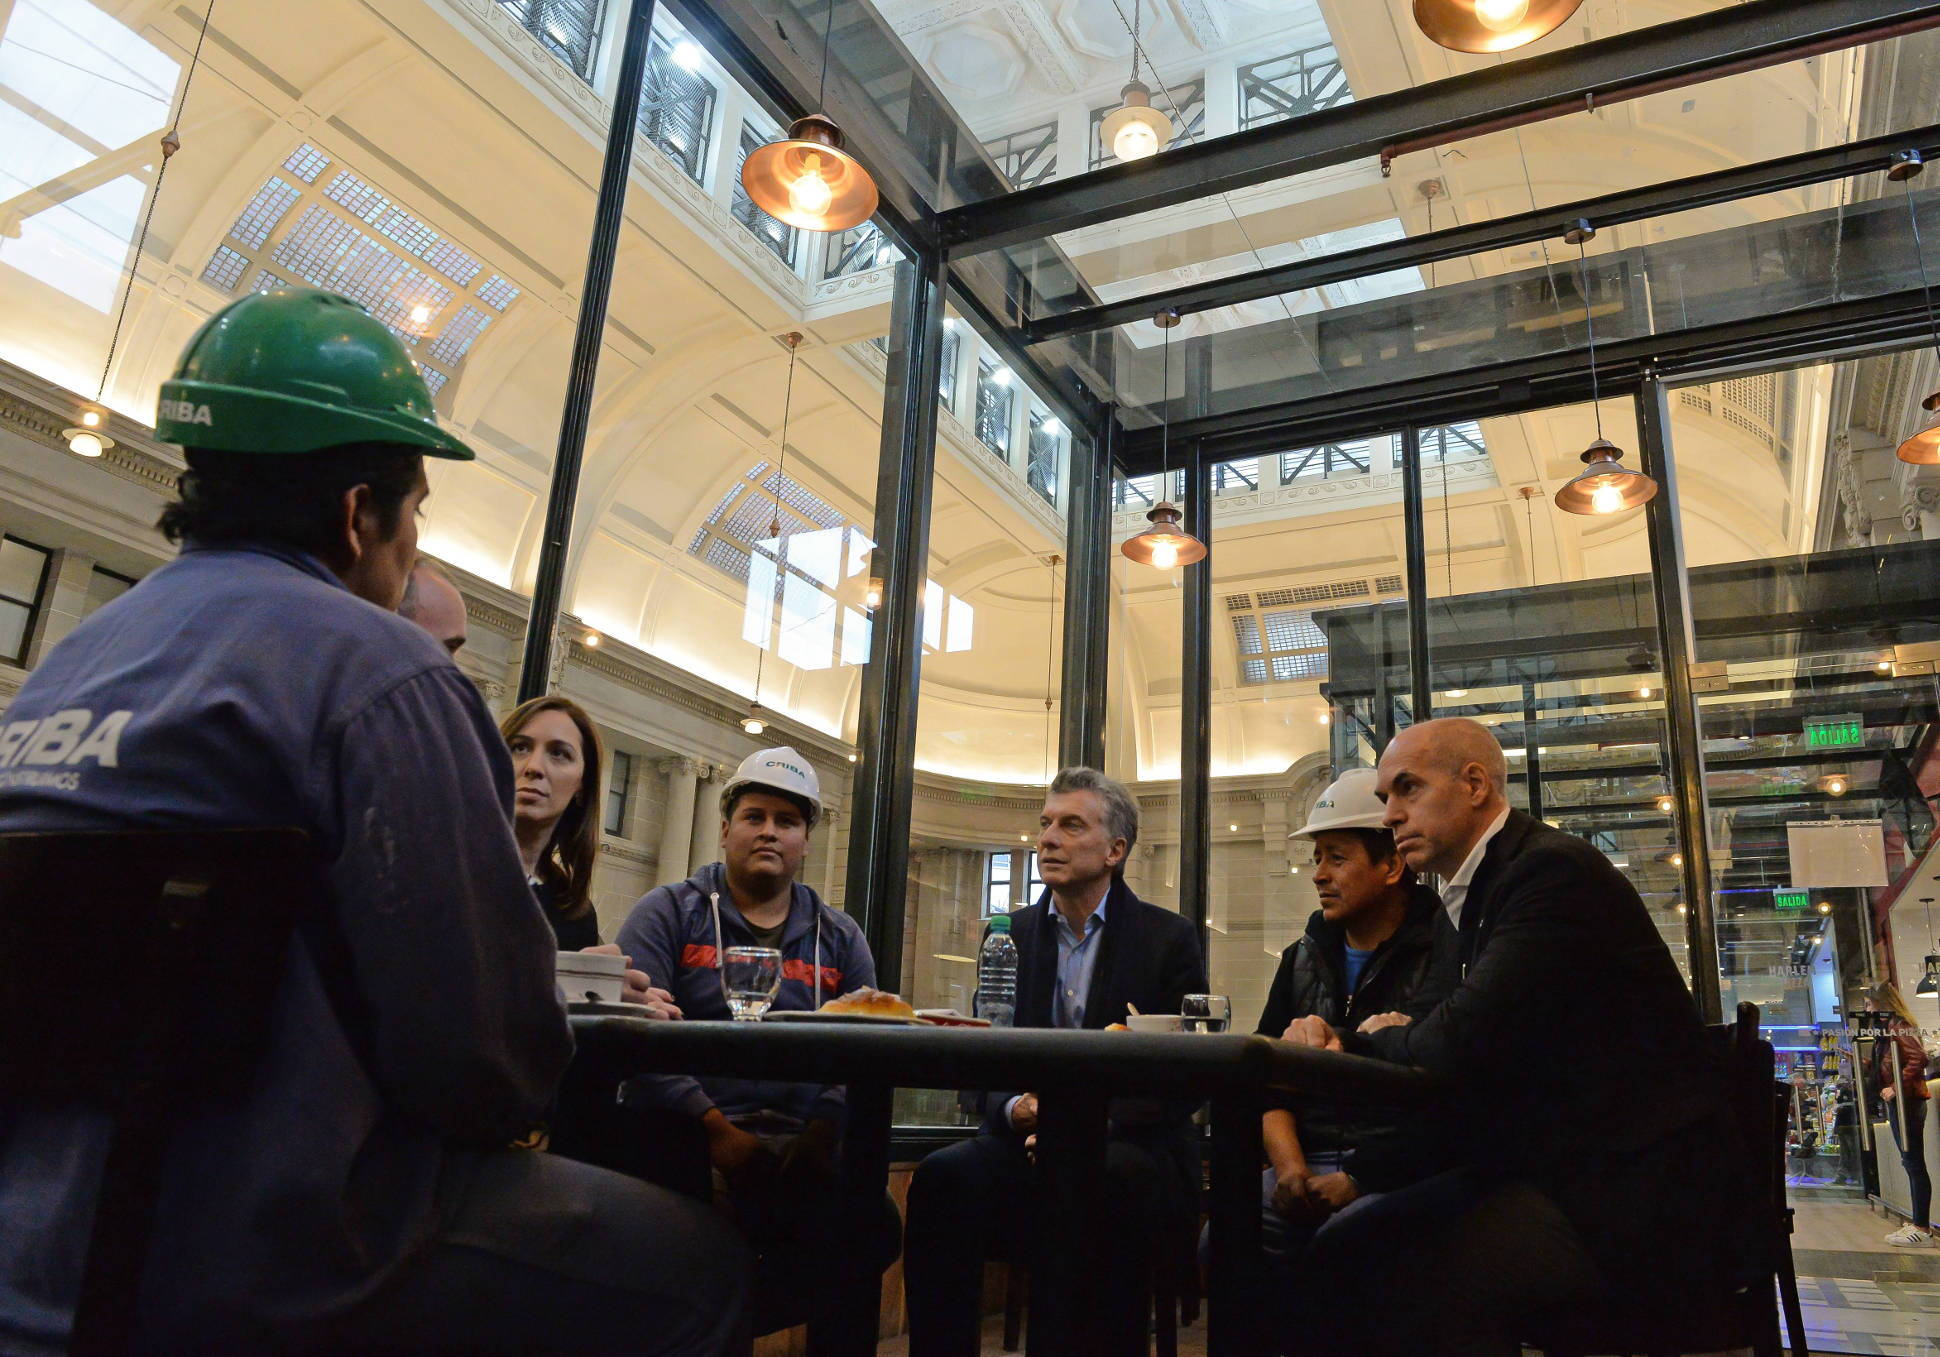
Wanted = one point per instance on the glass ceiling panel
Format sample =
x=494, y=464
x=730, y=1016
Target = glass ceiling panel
x=1675, y=278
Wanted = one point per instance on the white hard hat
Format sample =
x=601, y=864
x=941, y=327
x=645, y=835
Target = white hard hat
x=781, y=769
x=1350, y=803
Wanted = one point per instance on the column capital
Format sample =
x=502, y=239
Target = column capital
x=676, y=764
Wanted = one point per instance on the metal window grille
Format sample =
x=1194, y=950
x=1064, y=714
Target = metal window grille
x=994, y=401
x=306, y=162
x=1276, y=644
x=1449, y=443
x=1041, y=468
x=364, y=202
x=459, y=335
x=225, y=268
x=272, y=201
x=677, y=109
x=619, y=790
x=328, y=252
x=996, y=884
x=1142, y=492
x=569, y=29
x=1027, y=157
x=434, y=380
x=1189, y=96
x=778, y=236
x=1236, y=477
x=267, y=282
x=1326, y=461
x=1292, y=85
x=858, y=250
x=497, y=292
x=23, y=588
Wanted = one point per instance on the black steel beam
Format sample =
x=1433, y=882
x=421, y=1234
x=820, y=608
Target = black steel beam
x=1415, y=532
x=589, y=335
x=1087, y=596
x=1684, y=736
x=1723, y=41
x=1195, y=704
x=885, y=779
x=1549, y=223
x=1817, y=334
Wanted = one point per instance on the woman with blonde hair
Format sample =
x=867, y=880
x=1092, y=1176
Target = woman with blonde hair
x=1901, y=1071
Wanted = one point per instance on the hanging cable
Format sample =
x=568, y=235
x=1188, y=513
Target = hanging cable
x=753, y=723
x=171, y=143
x=1050, y=663
x=1589, y=323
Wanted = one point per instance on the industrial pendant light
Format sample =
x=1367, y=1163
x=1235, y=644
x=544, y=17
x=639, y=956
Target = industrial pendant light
x=1923, y=448
x=1491, y=25
x=1166, y=543
x=808, y=180
x=1604, y=485
x=1136, y=130
x=756, y=722
x=1930, y=978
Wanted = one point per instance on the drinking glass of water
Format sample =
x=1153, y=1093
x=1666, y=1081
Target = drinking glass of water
x=752, y=975
x=1206, y=1012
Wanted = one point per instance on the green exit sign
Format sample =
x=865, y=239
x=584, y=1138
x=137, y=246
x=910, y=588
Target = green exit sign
x=1835, y=732
x=1791, y=899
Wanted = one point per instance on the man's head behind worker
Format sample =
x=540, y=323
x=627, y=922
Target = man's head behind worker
x=434, y=603
x=1443, y=782
x=1086, y=831
x=767, y=810
x=305, y=425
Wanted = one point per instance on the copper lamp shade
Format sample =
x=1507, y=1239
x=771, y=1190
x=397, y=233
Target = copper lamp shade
x=1923, y=448
x=809, y=180
x=1605, y=485
x=1490, y=25
x=1165, y=544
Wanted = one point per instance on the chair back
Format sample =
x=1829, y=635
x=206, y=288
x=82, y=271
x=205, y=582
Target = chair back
x=137, y=971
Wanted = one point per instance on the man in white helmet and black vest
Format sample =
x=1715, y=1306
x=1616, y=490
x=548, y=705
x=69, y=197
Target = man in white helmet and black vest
x=771, y=1143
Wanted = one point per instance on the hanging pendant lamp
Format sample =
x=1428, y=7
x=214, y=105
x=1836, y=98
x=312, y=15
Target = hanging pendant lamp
x=1491, y=25
x=1166, y=543
x=1136, y=130
x=1604, y=485
x=1923, y=448
x=808, y=180
x=1930, y=977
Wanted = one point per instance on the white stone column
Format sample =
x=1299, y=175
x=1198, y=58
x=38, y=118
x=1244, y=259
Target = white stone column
x=704, y=845
x=825, y=835
x=1020, y=879
x=676, y=831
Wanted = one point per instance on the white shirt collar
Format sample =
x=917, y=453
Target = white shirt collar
x=1454, y=891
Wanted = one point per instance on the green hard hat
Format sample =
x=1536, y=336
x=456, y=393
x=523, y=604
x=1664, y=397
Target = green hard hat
x=298, y=370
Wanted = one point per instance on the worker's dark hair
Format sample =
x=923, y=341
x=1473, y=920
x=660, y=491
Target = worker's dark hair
x=1379, y=843
x=287, y=499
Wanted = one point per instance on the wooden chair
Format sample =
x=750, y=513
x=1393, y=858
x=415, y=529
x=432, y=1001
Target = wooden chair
x=137, y=972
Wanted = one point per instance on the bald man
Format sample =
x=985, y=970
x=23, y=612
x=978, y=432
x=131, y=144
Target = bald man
x=434, y=603
x=1583, y=1156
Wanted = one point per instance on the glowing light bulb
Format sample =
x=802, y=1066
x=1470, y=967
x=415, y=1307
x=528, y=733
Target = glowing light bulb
x=754, y=725
x=1232, y=829
x=873, y=598
x=1023, y=838
x=1606, y=499
x=810, y=192
x=83, y=444
x=854, y=757
x=1643, y=691
x=1453, y=693
x=591, y=640
x=1325, y=718
x=1835, y=786
x=1666, y=805
x=1135, y=141
x=1682, y=910
x=1164, y=555
x=1500, y=16
x=1825, y=907
x=91, y=418
x=687, y=56
x=420, y=314
x=1677, y=859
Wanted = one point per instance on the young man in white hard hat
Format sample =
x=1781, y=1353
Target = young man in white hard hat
x=771, y=1142
x=1368, y=951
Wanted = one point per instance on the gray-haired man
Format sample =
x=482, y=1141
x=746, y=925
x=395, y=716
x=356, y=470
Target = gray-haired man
x=1086, y=950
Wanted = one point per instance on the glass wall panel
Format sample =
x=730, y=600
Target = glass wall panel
x=1814, y=556
x=1309, y=677
x=1543, y=625
x=992, y=671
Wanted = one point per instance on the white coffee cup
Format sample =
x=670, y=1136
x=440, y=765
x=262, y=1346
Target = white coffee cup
x=592, y=977
x=1155, y=1022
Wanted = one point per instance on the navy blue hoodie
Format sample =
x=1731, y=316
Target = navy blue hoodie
x=674, y=933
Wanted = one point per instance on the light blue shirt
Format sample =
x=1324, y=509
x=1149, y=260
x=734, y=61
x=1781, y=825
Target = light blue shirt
x=1077, y=957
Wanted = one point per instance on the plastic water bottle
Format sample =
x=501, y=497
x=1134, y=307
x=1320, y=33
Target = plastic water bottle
x=997, y=975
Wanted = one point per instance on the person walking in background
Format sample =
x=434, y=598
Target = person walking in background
x=1900, y=1068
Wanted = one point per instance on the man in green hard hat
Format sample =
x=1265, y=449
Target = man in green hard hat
x=360, y=1196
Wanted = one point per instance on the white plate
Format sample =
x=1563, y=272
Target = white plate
x=797, y=1015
